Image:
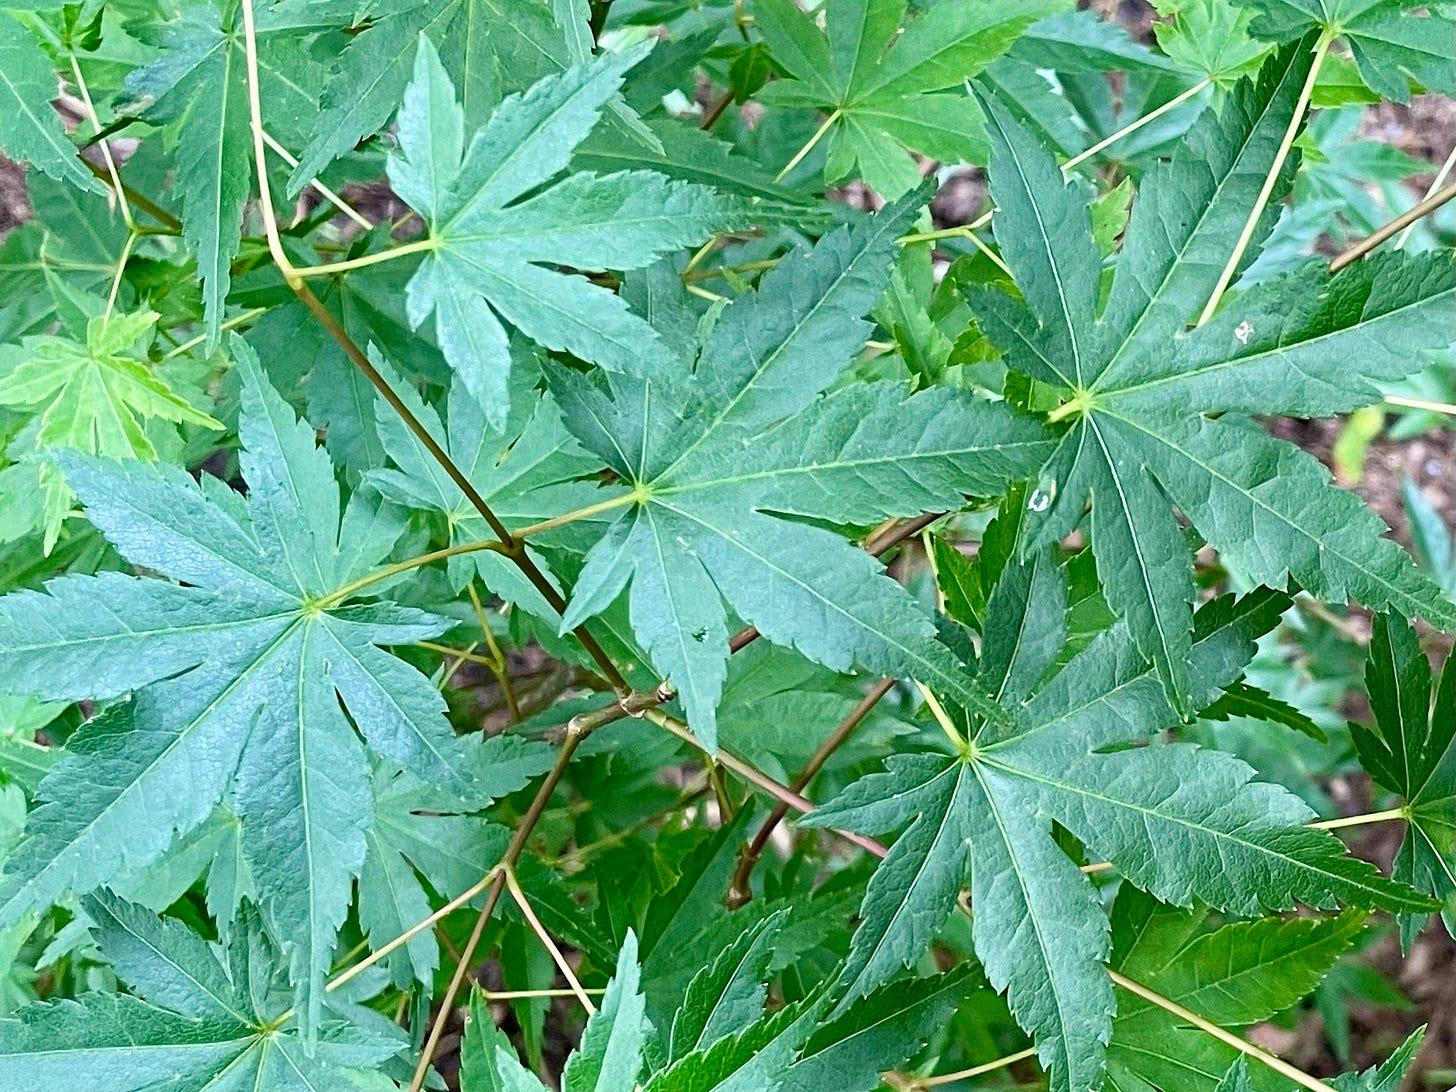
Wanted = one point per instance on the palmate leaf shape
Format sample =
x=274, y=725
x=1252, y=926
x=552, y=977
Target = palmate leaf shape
x=33, y=132
x=1157, y=414
x=1238, y=974
x=491, y=242
x=420, y=831
x=1389, y=44
x=1410, y=751
x=743, y=434
x=1177, y=821
x=194, y=1021
x=198, y=87
x=95, y=398
x=489, y=47
x=528, y=471
x=238, y=672
x=882, y=87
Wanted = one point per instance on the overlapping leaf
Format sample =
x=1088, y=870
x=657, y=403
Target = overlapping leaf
x=712, y=460
x=198, y=87
x=488, y=47
x=1235, y=975
x=195, y=1021
x=1391, y=45
x=527, y=472
x=492, y=242
x=1410, y=751
x=1157, y=414
x=890, y=92
x=1182, y=823
x=239, y=671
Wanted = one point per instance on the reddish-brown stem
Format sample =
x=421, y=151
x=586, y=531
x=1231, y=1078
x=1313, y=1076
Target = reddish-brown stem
x=507, y=862
x=510, y=546
x=740, y=890
x=716, y=111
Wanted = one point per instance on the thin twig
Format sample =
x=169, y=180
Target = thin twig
x=740, y=891
x=754, y=776
x=111, y=170
x=1228, y=1038
x=513, y=885
x=1431, y=189
x=1370, y=242
x=328, y=195
x=716, y=111
x=497, y=885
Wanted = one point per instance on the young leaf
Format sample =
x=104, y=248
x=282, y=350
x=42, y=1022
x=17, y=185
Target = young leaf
x=890, y=92
x=1410, y=751
x=239, y=674
x=490, y=247
x=94, y=398
x=705, y=469
x=1138, y=387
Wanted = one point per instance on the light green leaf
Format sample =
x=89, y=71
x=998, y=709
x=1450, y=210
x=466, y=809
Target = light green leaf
x=236, y=671
x=491, y=250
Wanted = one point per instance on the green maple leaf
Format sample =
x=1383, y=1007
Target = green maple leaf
x=527, y=471
x=743, y=434
x=890, y=93
x=197, y=86
x=1177, y=821
x=95, y=398
x=424, y=832
x=195, y=1022
x=33, y=132
x=1390, y=1075
x=1158, y=414
x=1236, y=975
x=489, y=244
x=610, y=1055
x=238, y=673
x=1410, y=751
x=488, y=47
x=1391, y=47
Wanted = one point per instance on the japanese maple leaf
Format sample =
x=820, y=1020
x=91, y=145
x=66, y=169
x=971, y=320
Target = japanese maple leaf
x=197, y=86
x=97, y=398
x=1156, y=415
x=239, y=669
x=889, y=93
x=713, y=462
x=1410, y=751
x=1177, y=821
x=1390, y=45
x=196, y=1018
x=494, y=231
